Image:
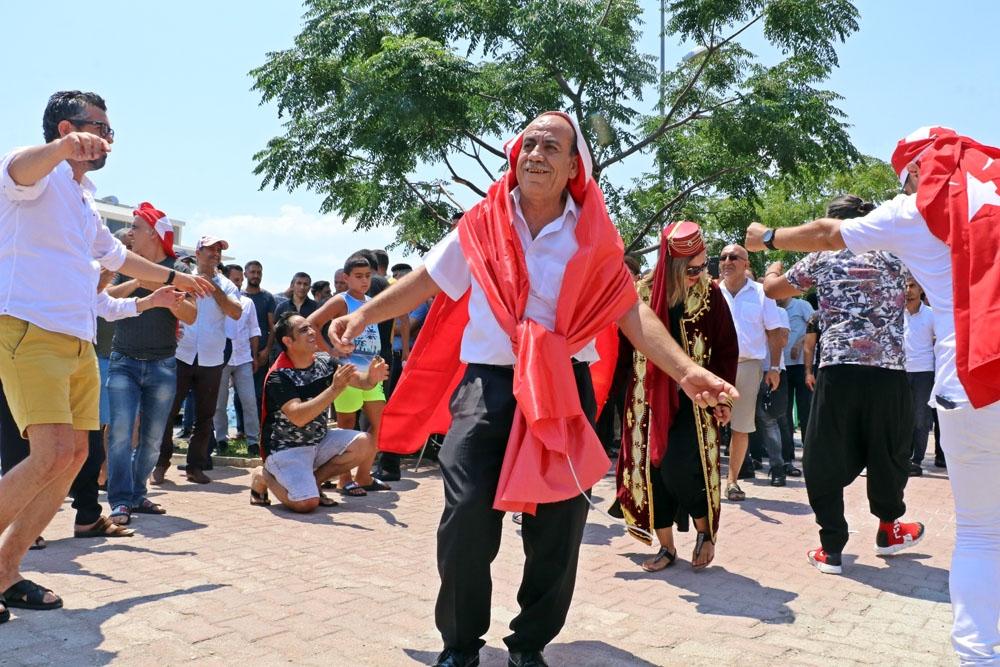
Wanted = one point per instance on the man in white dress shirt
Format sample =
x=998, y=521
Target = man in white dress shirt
x=50, y=229
x=918, y=339
x=544, y=218
x=201, y=356
x=760, y=328
x=245, y=335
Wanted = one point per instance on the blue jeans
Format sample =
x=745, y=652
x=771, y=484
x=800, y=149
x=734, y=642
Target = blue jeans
x=136, y=387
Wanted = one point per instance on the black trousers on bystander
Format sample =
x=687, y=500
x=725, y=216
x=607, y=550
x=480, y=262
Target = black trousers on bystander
x=861, y=417
x=482, y=410
x=204, y=380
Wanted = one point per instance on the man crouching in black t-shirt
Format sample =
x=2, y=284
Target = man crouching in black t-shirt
x=300, y=451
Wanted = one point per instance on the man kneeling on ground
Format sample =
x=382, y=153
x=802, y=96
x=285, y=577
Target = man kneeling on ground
x=300, y=451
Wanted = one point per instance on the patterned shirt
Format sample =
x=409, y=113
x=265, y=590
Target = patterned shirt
x=861, y=302
x=283, y=385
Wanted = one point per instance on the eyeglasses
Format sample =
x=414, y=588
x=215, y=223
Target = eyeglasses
x=731, y=257
x=103, y=128
x=695, y=270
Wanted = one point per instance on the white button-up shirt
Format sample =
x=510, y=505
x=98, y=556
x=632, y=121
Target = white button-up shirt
x=753, y=314
x=110, y=309
x=918, y=340
x=52, y=245
x=206, y=338
x=241, y=331
x=546, y=256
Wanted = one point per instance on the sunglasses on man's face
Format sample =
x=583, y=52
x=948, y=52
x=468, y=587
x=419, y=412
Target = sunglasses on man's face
x=695, y=270
x=732, y=257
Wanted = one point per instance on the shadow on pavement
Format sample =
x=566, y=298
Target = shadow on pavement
x=722, y=593
x=908, y=577
x=77, y=632
x=601, y=535
x=758, y=506
x=584, y=653
x=56, y=560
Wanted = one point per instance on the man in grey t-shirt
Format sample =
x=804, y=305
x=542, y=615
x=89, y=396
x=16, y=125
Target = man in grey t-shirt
x=142, y=371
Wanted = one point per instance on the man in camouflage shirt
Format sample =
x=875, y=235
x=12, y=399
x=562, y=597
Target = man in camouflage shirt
x=861, y=416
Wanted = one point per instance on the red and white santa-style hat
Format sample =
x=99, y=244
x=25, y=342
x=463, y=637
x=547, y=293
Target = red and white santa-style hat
x=160, y=223
x=912, y=146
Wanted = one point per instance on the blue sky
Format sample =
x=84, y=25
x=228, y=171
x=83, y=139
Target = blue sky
x=175, y=78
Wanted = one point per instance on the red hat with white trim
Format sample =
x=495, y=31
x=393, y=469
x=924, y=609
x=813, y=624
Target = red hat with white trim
x=912, y=146
x=160, y=223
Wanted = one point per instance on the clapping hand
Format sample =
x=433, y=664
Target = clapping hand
x=342, y=376
x=378, y=370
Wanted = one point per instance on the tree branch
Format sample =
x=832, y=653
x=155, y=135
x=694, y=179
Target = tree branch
x=447, y=194
x=475, y=152
x=673, y=202
x=665, y=124
x=462, y=181
x=496, y=151
x=426, y=203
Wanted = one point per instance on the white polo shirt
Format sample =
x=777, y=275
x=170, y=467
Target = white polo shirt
x=753, y=314
x=241, y=331
x=918, y=339
x=546, y=256
x=206, y=338
x=52, y=245
x=898, y=227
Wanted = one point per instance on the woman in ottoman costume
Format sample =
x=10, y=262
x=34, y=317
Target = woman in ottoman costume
x=668, y=469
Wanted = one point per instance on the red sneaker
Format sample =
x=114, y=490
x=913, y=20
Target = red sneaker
x=824, y=562
x=893, y=536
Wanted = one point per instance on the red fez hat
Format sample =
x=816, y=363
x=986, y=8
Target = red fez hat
x=683, y=239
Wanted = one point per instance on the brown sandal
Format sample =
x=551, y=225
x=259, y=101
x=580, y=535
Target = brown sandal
x=105, y=527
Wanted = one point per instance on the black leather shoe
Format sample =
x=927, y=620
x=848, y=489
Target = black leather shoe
x=526, y=659
x=916, y=470
x=453, y=658
x=777, y=478
x=386, y=475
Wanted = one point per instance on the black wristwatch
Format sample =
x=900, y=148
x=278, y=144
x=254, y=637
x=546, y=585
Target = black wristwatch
x=170, y=277
x=768, y=239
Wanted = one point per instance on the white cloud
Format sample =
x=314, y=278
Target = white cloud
x=294, y=240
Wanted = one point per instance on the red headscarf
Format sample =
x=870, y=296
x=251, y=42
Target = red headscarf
x=550, y=431
x=958, y=195
x=160, y=223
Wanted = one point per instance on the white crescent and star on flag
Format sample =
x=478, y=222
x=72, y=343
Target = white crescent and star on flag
x=981, y=193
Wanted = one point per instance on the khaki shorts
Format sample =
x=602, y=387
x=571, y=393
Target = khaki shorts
x=294, y=468
x=48, y=377
x=748, y=375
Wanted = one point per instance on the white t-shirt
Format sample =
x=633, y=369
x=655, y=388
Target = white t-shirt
x=546, y=256
x=241, y=331
x=206, y=338
x=898, y=227
x=918, y=340
x=753, y=314
x=52, y=245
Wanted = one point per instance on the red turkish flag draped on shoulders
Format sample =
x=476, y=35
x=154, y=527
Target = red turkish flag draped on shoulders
x=959, y=197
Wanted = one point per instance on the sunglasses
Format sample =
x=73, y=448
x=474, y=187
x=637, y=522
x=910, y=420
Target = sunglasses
x=731, y=258
x=695, y=270
x=103, y=128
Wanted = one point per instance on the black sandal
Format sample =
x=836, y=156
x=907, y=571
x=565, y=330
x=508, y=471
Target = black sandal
x=38, y=544
x=260, y=499
x=26, y=594
x=661, y=555
x=5, y=614
x=327, y=501
x=698, y=544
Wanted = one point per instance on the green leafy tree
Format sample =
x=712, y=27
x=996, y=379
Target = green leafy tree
x=395, y=109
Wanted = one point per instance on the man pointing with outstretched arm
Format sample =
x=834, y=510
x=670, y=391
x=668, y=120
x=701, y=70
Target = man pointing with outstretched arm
x=529, y=277
x=50, y=229
x=946, y=230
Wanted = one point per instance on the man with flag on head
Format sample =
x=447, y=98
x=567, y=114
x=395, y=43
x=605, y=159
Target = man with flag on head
x=530, y=275
x=946, y=228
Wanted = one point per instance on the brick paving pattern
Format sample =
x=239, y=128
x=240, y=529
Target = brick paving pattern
x=220, y=582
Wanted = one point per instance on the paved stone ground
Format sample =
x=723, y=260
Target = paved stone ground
x=220, y=582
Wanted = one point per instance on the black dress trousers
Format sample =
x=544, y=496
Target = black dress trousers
x=482, y=410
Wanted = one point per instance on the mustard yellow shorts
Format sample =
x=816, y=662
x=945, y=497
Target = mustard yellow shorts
x=352, y=398
x=48, y=377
